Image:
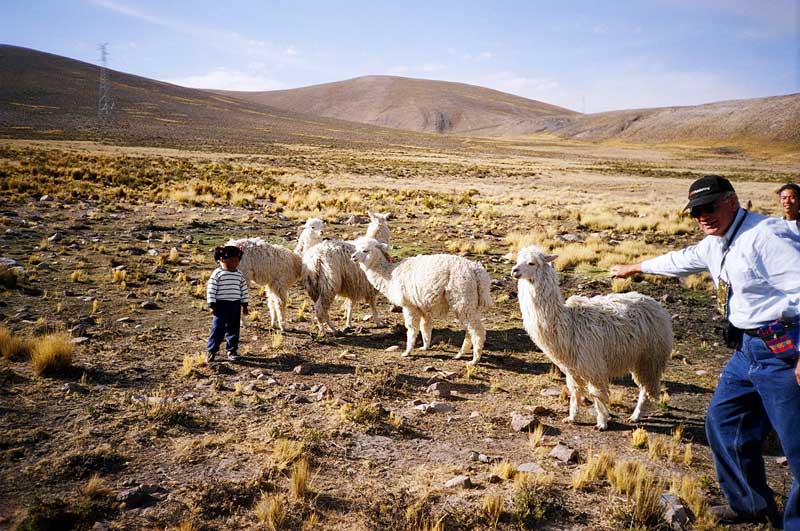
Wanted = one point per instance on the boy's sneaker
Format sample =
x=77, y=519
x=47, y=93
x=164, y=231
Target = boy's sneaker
x=232, y=356
x=210, y=356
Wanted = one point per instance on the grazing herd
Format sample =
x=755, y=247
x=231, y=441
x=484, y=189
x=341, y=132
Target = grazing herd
x=591, y=340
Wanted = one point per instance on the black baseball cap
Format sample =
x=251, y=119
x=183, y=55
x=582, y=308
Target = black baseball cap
x=708, y=189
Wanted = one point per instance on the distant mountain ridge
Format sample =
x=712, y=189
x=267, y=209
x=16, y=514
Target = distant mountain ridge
x=48, y=96
x=417, y=105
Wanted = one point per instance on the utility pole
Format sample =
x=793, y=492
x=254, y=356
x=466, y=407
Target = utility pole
x=104, y=102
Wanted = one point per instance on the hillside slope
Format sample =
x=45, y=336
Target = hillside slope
x=417, y=105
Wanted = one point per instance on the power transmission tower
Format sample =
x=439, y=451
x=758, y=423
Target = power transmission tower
x=104, y=102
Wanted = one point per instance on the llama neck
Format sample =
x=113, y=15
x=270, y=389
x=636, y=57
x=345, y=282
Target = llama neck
x=543, y=311
x=380, y=276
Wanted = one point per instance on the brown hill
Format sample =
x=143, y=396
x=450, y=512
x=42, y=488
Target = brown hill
x=48, y=96
x=417, y=105
x=761, y=120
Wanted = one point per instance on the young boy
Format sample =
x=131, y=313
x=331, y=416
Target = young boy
x=227, y=298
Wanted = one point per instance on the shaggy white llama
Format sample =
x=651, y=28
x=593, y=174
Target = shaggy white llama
x=310, y=236
x=273, y=267
x=378, y=228
x=593, y=340
x=428, y=286
x=328, y=271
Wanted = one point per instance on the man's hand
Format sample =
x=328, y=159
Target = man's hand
x=214, y=311
x=625, y=270
x=797, y=372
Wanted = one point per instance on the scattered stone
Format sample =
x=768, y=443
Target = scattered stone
x=494, y=478
x=393, y=348
x=530, y=468
x=152, y=252
x=674, y=511
x=320, y=394
x=441, y=407
x=474, y=456
x=570, y=237
x=46, y=198
x=550, y=392
x=429, y=368
x=542, y=411
x=80, y=340
x=303, y=369
x=250, y=388
x=520, y=422
x=72, y=387
x=474, y=415
x=159, y=270
x=454, y=418
x=297, y=386
x=100, y=526
x=297, y=399
x=439, y=389
x=8, y=262
x=701, y=372
x=124, y=320
x=459, y=481
x=55, y=237
x=357, y=219
x=668, y=298
x=417, y=402
x=272, y=381
x=149, y=305
x=134, y=497
x=564, y=453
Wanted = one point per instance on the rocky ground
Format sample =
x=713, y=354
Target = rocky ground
x=196, y=446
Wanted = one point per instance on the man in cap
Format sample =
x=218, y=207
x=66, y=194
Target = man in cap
x=755, y=264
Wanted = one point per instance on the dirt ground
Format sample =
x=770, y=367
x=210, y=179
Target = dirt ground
x=198, y=450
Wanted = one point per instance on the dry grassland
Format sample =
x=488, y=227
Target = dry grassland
x=133, y=427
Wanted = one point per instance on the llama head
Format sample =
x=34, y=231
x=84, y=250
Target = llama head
x=377, y=217
x=313, y=230
x=531, y=263
x=369, y=251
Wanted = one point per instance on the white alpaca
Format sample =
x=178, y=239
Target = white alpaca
x=428, y=286
x=328, y=271
x=593, y=340
x=273, y=267
x=378, y=228
x=310, y=236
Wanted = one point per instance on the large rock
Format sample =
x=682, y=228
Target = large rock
x=530, y=468
x=520, y=422
x=564, y=453
x=459, y=481
x=439, y=389
x=674, y=511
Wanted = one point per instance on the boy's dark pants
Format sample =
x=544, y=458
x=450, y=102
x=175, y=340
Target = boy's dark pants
x=225, y=325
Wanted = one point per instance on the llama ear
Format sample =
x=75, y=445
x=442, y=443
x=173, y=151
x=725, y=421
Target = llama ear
x=384, y=247
x=550, y=258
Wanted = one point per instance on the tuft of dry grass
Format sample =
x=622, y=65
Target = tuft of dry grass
x=285, y=452
x=504, y=469
x=492, y=509
x=96, y=488
x=192, y=362
x=639, y=438
x=621, y=285
x=13, y=347
x=596, y=467
x=271, y=511
x=52, y=353
x=536, y=436
x=79, y=276
x=299, y=478
x=626, y=475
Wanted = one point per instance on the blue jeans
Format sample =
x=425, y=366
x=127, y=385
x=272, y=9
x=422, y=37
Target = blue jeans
x=225, y=325
x=756, y=392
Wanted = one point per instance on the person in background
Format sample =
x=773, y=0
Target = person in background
x=227, y=298
x=790, y=202
x=754, y=261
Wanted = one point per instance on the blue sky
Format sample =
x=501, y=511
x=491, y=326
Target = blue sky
x=584, y=55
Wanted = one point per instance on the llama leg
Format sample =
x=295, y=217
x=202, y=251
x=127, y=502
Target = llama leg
x=375, y=317
x=412, y=327
x=426, y=324
x=348, y=310
x=467, y=344
x=600, y=398
x=574, y=398
x=477, y=333
x=639, y=409
x=280, y=306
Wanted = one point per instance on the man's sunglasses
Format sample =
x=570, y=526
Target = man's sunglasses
x=699, y=210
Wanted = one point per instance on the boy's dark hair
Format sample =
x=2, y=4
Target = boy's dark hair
x=790, y=186
x=228, y=251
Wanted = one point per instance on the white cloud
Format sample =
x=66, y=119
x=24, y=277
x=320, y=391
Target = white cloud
x=485, y=56
x=399, y=70
x=432, y=67
x=226, y=79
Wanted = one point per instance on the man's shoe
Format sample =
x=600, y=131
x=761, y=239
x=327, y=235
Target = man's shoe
x=210, y=356
x=232, y=356
x=726, y=515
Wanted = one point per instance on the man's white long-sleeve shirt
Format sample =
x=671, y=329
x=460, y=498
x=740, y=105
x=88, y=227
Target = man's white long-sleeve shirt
x=762, y=268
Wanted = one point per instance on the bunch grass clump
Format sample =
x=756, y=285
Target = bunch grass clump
x=52, y=353
x=13, y=347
